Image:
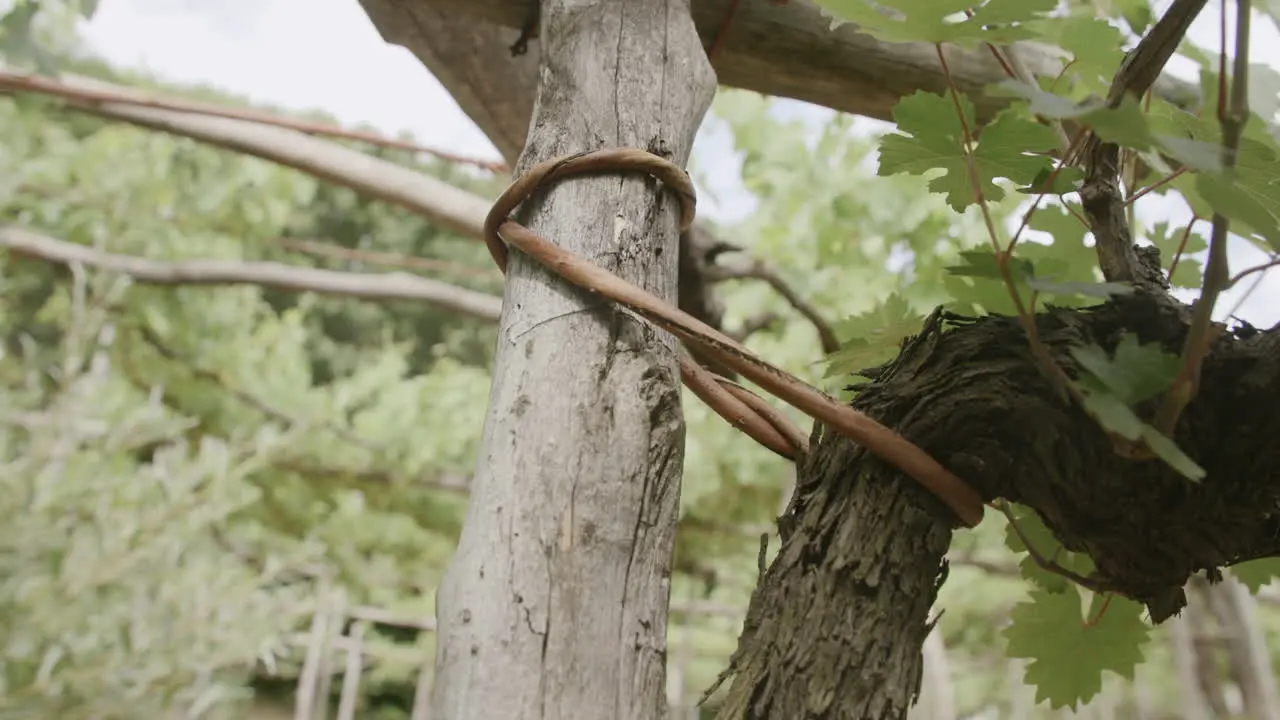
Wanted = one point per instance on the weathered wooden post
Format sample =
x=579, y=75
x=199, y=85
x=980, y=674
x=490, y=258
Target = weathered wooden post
x=555, y=605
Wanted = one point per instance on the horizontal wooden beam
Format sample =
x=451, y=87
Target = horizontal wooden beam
x=782, y=50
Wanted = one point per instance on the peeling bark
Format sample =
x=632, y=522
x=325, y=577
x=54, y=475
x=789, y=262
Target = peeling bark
x=835, y=629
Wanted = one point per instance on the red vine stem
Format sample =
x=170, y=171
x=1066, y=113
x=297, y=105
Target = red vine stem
x=1157, y=185
x=1027, y=319
x=884, y=443
x=1182, y=247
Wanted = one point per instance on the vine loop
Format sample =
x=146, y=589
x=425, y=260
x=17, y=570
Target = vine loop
x=734, y=403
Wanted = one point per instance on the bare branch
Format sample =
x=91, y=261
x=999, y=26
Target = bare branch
x=373, y=257
x=760, y=270
x=367, y=286
x=753, y=325
x=421, y=194
x=1101, y=195
x=444, y=204
x=1268, y=265
x=783, y=50
x=17, y=82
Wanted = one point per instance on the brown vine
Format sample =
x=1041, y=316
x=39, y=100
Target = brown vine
x=728, y=400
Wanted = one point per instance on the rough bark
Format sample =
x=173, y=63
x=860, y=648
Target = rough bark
x=999, y=424
x=471, y=60
x=782, y=50
x=555, y=603
x=835, y=628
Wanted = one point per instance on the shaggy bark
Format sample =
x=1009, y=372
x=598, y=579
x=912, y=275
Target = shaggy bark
x=835, y=629
x=555, y=604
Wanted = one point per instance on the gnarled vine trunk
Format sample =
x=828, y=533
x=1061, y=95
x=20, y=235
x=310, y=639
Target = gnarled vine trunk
x=836, y=628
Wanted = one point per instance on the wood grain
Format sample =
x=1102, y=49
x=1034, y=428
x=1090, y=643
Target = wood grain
x=782, y=50
x=555, y=603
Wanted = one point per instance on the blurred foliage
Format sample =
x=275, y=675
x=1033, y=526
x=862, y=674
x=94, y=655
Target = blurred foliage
x=228, y=436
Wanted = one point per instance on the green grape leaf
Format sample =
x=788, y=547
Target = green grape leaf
x=1168, y=119
x=1066, y=180
x=1096, y=46
x=1125, y=125
x=1067, y=258
x=999, y=22
x=1169, y=239
x=1112, y=385
x=1264, y=90
x=1111, y=412
x=1135, y=372
x=1231, y=199
x=873, y=337
x=1257, y=574
x=1168, y=451
x=1065, y=228
x=1271, y=8
x=931, y=138
x=1137, y=14
x=1195, y=154
x=1069, y=656
x=1099, y=290
x=982, y=264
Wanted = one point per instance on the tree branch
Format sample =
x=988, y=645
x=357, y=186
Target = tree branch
x=14, y=81
x=1101, y=195
x=373, y=257
x=422, y=195
x=783, y=50
x=367, y=286
x=760, y=270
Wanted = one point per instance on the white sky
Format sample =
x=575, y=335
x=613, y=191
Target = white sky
x=326, y=54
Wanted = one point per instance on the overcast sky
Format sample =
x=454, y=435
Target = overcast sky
x=326, y=54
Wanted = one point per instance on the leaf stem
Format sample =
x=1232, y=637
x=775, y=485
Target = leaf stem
x=1038, y=349
x=1046, y=564
x=1079, y=139
x=1273, y=262
x=1156, y=185
x=1182, y=246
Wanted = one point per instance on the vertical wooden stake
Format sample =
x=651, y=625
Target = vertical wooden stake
x=555, y=605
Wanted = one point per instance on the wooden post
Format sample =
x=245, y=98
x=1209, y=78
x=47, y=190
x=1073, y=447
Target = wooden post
x=555, y=604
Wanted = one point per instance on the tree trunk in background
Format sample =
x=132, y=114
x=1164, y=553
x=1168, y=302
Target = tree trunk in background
x=555, y=604
x=937, y=694
x=1193, y=702
x=836, y=628
x=1246, y=646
